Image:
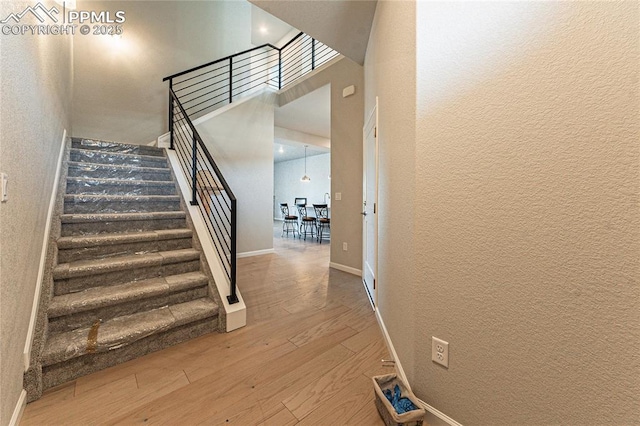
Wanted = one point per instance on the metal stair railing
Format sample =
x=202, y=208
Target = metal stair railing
x=203, y=89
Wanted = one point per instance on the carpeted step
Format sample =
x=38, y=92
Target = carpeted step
x=106, y=203
x=76, y=310
x=100, y=157
x=84, y=274
x=83, y=247
x=124, y=330
x=127, y=279
x=79, y=185
x=99, y=223
x=109, y=146
x=118, y=171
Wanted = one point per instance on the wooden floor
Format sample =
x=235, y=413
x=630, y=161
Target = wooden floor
x=305, y=357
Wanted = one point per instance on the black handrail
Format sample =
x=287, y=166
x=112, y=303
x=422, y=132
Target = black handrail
x=199, y=67
x=300, y=34
x=235, y=75
x=191, y=170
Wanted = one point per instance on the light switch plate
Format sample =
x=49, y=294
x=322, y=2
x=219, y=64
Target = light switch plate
x=338, y=196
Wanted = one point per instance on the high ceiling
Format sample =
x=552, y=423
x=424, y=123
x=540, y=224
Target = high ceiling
x=307, y=120
x=266, y=28
x=310, y=113
x=343, y=25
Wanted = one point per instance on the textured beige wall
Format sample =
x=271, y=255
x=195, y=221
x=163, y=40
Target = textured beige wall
x=119, y=94
x=36, y=82
x=390, y=75
x=526, y=214
x=241, y=142
x=346, y=154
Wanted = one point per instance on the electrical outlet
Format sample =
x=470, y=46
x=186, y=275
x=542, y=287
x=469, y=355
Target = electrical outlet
x=440, y=351
x=338, y=196
x=344, y=246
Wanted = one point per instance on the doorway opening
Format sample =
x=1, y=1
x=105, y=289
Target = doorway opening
x=302, y=172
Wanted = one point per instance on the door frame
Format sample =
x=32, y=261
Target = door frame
x=372, y=119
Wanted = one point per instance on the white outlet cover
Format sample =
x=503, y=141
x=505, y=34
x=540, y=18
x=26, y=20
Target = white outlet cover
x=440, y=351
x=338, y=196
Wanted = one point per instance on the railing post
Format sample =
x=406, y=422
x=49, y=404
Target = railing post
x=171, y=113
x=313, y=54
x=194, y=175
x=233, y=297
x=279, y=69
x=230, y=79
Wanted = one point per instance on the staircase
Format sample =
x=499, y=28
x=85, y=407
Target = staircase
x=127, y=280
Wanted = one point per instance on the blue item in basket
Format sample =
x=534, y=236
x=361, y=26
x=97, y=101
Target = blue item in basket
x=400, y=403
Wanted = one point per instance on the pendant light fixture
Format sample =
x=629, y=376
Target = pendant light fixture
x=305, y=178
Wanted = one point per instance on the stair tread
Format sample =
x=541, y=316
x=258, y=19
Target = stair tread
x=97, y=297
x=129, y=167
x=124, y=182
x=121, y=238
x=82, y=268
x=112, y=144
x=124, y=330
x=93, y=217
x=155, y=158
x=119, y=197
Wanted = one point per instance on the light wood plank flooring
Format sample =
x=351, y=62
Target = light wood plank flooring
x=305, y=357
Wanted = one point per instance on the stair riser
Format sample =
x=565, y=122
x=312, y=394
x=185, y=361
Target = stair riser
x=117, y=160
x=103, y=206
x=87, y=228
x=119, y=189
x=102, y=251
x=87, y=318
x=56, y=374
x=101, y=173
x=71, y=285
x=120, y=148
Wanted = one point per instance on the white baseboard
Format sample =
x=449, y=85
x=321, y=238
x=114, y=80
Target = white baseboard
x=403, y=376
x=392, y=349
x=19, y=409
x=236, y=313
x=26, y=355
x=438, y=413
x=345, y=268
x=164, y=141
x=254, y=253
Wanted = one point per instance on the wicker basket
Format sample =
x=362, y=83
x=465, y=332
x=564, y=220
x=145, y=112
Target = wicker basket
x=386, y=410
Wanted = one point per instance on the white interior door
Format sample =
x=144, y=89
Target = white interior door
x=370, y=205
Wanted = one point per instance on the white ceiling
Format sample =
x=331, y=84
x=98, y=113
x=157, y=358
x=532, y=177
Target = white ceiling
x=266, y=28
x=310, y=113
x=343, y=25
x=284, y=150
